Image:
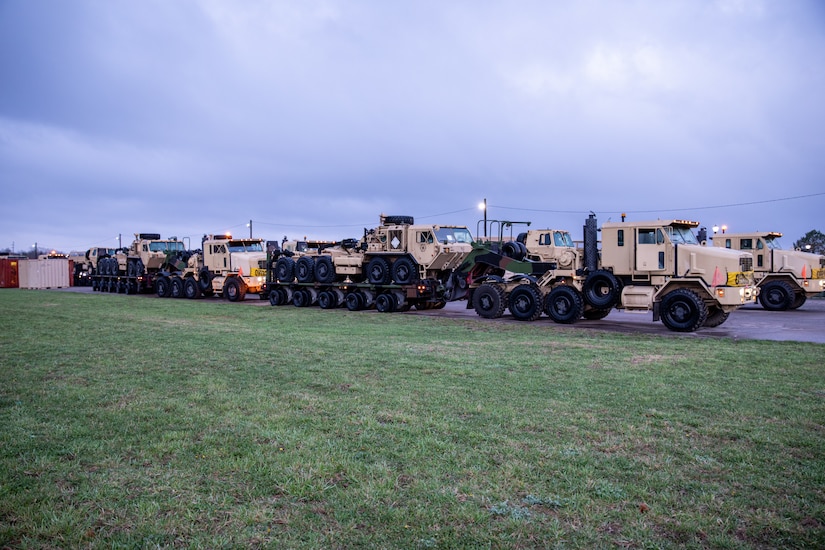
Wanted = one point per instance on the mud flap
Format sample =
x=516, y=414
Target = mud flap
x=656, y=306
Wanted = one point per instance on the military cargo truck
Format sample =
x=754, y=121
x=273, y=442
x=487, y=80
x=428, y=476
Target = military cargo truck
x=394, y=266
x=656, y=266
x=786, y=278
x=230, y=267
x=134, y=270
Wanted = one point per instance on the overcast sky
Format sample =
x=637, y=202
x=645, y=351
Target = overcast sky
x=307, y=117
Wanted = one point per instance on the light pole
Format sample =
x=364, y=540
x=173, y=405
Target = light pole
x=483, y=206
x=35, y=249
x=249, y=225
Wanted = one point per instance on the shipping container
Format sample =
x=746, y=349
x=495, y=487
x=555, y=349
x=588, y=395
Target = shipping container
x=47, y=273
x=9, y=272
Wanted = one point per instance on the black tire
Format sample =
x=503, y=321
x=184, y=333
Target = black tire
x=205, y=281
x=285, y=269
x=564, y=305
x=385, y=303
x=601, y=289
x=595, y=314
x=326, y=299
x=524, y=303
x=799, y=300
x=233, y=291
x=277, y=297
x=163, y=287
x=305, y=269
x=403, y=271
x=716, y=316
x=301, y=298
x=176, y=284
x=378, y=271
x=515, y=250
x=140, y=269
x=354, y=301
x=324, y=269
x=488, y=301
x=399, y=220
x=130, y=268
x=191, y=288
x=682, y=310
x=776, y=296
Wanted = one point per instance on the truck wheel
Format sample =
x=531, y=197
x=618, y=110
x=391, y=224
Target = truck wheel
x=191, y=289
x=525, y=303
x=682, y=310
x=595, y=314
x=233, y=291
x=140, y=269
x=205, y=282
x=488, y=301
x=601, y=289
x=301, y=298
x=378, y=271
x=305, y=269
x=716, y=316
x=798, y=300
x=385, y=303
x=776, y=296
x=515, y=250
x=399, y=220
x=130, y=268
x=324, y=269
x=403, y=271
x=285, y=270
x=326, y=300
x=277, y=297
x=163, y=288
x=176, y=286
x=564, y=305
x=354, y=301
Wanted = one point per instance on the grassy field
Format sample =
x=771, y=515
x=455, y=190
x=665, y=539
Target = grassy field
x=139, y=423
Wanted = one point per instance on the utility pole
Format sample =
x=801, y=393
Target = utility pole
x=250, y=229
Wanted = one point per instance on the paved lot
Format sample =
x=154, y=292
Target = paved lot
x=806, y=324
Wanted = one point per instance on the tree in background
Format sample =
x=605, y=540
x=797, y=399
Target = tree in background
x=815, y=239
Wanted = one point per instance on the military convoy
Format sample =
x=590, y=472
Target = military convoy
x=656, y=266
x=226, y=266
x=786, y=278
x=395, y=266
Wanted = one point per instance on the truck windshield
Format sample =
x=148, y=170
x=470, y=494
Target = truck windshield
x=163, y=246
x=453, y=235
x=773, y=243
x=562, y=238
x=681, y=235
x=240, y=246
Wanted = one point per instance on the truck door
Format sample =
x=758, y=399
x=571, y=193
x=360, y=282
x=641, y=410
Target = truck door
x=650, y=249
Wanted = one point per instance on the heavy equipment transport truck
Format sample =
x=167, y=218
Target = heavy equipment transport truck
x=395, y=266
x=786, y=278
x=656, y=266
x=227, y=266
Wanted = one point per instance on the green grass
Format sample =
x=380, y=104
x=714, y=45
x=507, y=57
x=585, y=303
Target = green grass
x=132, y=422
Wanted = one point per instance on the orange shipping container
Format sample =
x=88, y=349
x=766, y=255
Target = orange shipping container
x=9, y=277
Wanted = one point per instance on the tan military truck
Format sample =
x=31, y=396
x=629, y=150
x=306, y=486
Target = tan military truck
x=231, y=267
x=656, y=266
x=786, y=278
x=394, y=266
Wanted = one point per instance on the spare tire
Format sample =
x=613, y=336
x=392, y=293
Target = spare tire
x=601, y=289
x=398, y=220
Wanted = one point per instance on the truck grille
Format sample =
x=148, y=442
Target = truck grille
x=746, y=264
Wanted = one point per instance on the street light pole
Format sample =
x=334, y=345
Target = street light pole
x=483, y=206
